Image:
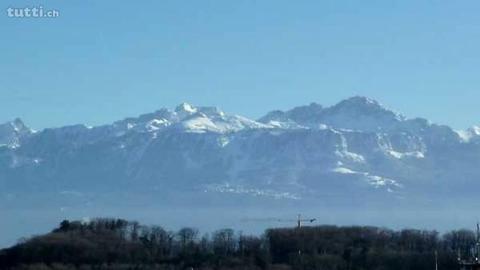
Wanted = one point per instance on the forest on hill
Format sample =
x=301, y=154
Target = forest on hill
x=110, y=244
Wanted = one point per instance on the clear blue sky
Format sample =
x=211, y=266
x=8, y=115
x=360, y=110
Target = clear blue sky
x=104, y=60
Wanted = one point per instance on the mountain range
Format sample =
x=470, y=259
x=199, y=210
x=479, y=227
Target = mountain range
x=356, y=152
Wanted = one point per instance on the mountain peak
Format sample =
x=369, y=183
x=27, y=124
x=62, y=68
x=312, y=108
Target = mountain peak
x=12, y=132
x=18, y=121
x=362, y=106
x=359, y=101
x=185, y=110
x=185, y=107
x=18, y=124
x=356, y=113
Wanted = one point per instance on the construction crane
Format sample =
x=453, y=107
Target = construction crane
x=299, y=221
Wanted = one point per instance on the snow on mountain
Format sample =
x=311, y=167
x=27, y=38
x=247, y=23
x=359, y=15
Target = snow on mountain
x=187, y=118
x=356, y=113
x=12, y=133
x=375, y=180
x=470, y=134
x=360, y=113
x=357, y=146
x=349, y=157
x=186, y=109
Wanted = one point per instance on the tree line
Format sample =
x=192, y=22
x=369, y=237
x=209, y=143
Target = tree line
x=106, y=243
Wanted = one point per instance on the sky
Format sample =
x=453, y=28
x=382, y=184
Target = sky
x=101, y=61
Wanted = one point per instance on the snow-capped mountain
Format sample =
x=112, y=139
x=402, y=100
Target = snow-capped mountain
x=356, y=146
x=351, y=158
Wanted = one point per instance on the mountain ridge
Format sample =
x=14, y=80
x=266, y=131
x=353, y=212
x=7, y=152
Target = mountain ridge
x=353, y=138
x=353, y=157
x=313, y=110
